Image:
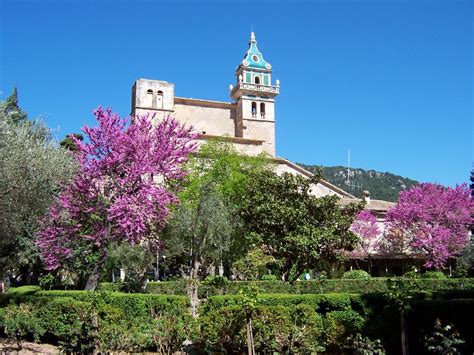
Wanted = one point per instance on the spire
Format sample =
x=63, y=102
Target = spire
x=254, y=58
x=252, y=38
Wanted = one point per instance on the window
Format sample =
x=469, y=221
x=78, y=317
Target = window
x=262, y=110
x=257, y=80
x=149, y=98
x=159, y=99
x=254, y=109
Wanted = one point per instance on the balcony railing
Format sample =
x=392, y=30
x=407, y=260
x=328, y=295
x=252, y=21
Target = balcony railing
x=254, y=114
x=257, y=87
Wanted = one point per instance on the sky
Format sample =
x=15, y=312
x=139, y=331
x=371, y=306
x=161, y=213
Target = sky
x=391, y=80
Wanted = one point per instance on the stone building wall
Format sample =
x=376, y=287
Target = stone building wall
x=207, y=117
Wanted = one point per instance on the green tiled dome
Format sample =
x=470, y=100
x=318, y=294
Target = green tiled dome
x=254, y=58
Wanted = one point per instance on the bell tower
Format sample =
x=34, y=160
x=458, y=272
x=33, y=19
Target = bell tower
x=255, y=94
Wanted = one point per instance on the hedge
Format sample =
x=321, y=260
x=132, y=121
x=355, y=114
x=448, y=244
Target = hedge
x=342, y=315
x=322, y=303
x=302, y=287
x=276, y=329
x=79, y=321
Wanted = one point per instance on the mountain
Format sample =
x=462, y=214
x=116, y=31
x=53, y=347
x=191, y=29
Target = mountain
x=382, y=186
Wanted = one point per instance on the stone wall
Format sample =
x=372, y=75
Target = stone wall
x=217, y=119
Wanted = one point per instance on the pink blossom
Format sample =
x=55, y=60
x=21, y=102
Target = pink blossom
x=119, y=191
x=435, y=219
x=365, y=226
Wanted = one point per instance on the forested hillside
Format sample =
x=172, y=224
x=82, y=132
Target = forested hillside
x=382, y=186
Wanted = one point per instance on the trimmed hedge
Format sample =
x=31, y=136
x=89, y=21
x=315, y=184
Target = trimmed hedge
x=356, y=275
x=222, y=322
x=276, y=329
x=322, y=303
x=434, y=275
x=79, y=321
x=302, y=287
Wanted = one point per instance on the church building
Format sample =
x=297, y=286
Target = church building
x=248, y=123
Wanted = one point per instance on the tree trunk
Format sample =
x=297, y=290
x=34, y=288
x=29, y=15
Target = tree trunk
x=221, y=269
x=93, y=279
x=4, y=283
x=142, y=280
x=211, y=270
x=193, y=287
x=403, y=334
x=250, y=346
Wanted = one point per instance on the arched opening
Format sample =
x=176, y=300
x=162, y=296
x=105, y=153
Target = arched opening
x=254, y=109
x=149, y=98
x=257, y=80
x=262, y=110
x=159, y=99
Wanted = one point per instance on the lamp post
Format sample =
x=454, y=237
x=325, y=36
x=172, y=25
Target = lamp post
x=164, y=269
x=157, y=270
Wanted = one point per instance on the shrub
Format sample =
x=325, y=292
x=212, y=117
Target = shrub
x=79, y=321
x=444, y=340
x=47, y=281
x=433, y=275
x=322, y=303
x=110, y=286
x=275, y=329
x=23, y=290
x=268, y=277
x=161, y=330
x=306, y=331
x=339, y=325
x=361, y=345
x=20, y=322
x=356, y=274
x=176, y=287
x=412, y=274
x=222, y=330
x=375, y=284
x=214, y=285
x=67, y=321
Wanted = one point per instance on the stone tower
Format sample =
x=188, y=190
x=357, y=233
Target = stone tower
x=255, y=98
x=154, y=97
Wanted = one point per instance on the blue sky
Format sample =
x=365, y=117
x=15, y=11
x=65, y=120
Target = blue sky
x=389, y=79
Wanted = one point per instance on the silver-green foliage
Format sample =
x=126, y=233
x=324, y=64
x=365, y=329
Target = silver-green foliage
x=32, y=168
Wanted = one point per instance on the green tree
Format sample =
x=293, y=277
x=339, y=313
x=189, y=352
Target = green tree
x=206, y=226
x=135, y=261
x=11, y=110
x=33, y=167
x=68, y=143
x=291, y=224
x=400, y=294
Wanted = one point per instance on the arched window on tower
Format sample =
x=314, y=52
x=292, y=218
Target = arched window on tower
x=254, y=109
x=159, y=99
x=149, y=98
x=262, y=110
x=257, y=80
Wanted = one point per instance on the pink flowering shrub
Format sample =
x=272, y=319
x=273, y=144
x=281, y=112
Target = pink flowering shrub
x=118, y=193
x=435, y=220
x=365, y=226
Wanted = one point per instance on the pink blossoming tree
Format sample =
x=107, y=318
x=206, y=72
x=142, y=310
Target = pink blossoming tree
x=365, y=226
x=118, y=194
x=435, y=219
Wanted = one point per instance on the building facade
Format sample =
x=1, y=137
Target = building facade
x=247, y=122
